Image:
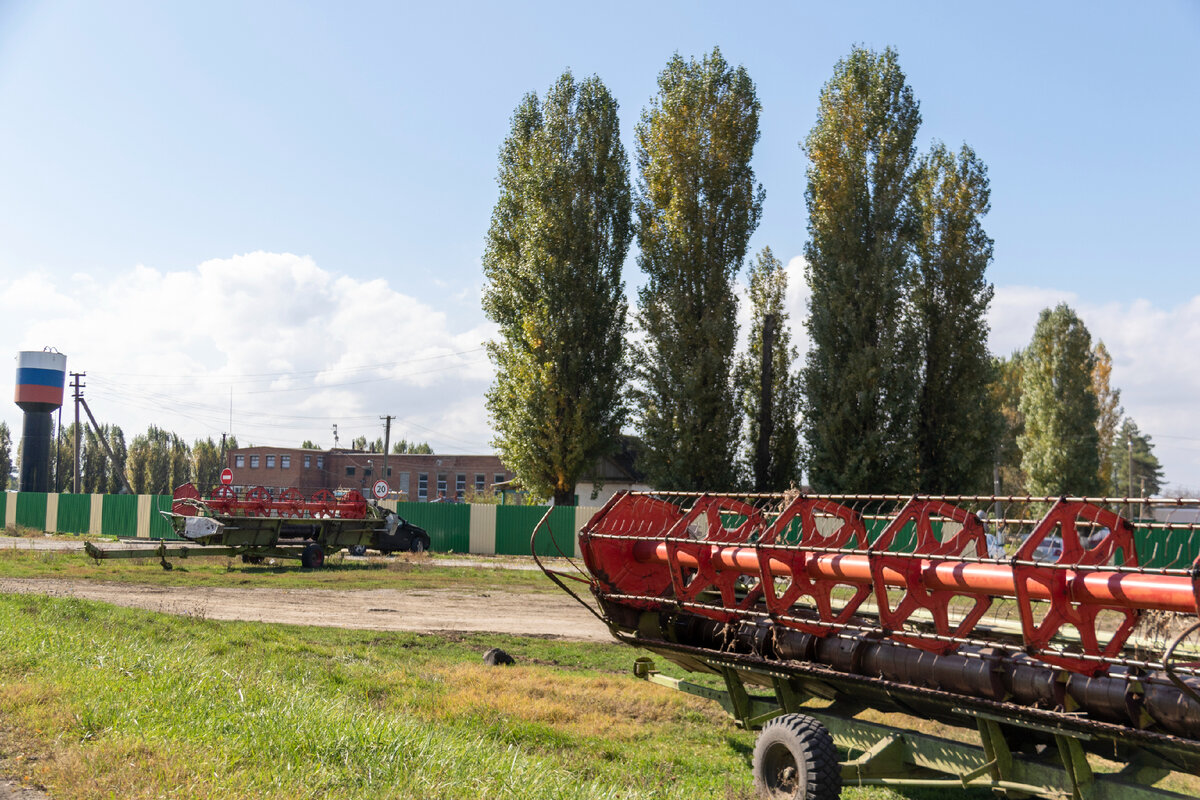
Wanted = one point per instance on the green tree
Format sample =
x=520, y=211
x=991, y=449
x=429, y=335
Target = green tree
x=1060, y=451
x=1005, y=396
x=206, y=463
x=116, y=443
x=697, y=206
x=860, y=377
x=1108, y=401
x=308, y=445
x=359, y=444
x=1131, y=445
x=158, y=462
x=95, y=468
x=956, y=426
x=558, y=238
x=420, y=449
x=768, y=291
x=6, y=460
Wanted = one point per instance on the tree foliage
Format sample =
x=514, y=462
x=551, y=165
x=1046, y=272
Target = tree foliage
x=6, y=456
x=768, y=291
x=404, y=447
x=956, y=426
x=158, y=462
x=860, y=377
x=1060, y=446
x=1005, y=396
x=1108, y=401
x=697, y=206
x=558, y=238
x=1133, y=449
x=206, y=463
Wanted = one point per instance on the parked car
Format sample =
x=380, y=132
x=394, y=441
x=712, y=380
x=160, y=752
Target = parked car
x=994, y=548
x=1049, y=550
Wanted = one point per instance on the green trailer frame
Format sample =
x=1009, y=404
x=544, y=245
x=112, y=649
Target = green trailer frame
x=257, y=538
x=885, y=755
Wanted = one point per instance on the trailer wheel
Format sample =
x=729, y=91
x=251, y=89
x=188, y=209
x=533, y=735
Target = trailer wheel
x=249, y=559
x=358, y=549
x=313, y=556
x=795, y=759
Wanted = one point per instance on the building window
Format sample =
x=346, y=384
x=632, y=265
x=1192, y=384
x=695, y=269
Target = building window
x=499, y=478
x=349, y=470
x=285, y=462
x=270, y=462
x=442, y=485
x=308, y=462
x=404, y=484
x=239, y=461
x=423, y=486
x=460, y=485
x=253, y=462
x=480, y=481
x=320, y=462
x=389, y=472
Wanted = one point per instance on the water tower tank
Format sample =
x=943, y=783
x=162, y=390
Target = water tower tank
x=41, y=376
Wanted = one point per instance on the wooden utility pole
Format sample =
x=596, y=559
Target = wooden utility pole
x=762, y=455
x=78, y=387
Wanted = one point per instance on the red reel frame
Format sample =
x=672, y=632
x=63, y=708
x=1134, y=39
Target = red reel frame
x=922, y=513
x=1064, y=517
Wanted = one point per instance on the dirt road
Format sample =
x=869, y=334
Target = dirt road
x=425, y=611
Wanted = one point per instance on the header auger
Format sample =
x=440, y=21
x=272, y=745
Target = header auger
x=1081, y=637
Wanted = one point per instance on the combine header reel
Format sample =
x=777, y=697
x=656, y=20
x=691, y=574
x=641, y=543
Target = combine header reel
x=1063, y=664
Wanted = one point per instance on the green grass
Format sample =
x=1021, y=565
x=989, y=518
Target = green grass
x=104, y=702
x=396, y=572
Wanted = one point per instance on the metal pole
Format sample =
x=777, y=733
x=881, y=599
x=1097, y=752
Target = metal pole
x=78, y=398
x=387, y=442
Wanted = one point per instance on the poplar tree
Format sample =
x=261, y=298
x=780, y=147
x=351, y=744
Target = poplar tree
x=558, y=237
x=1133, y=449
x=1060, y=451
x=957, y=425
x=768, y=291
x=6, y=460
x=860, y=378
x=116, y=443
x=697, y=206
x=1108, y=402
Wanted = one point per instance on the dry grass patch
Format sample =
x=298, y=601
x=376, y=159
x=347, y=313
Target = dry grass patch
x=610, y=707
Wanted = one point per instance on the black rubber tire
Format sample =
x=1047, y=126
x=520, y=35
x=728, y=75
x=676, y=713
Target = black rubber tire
x=358, y=549
x=795, y=759
x=419, y=544
x=313, y=557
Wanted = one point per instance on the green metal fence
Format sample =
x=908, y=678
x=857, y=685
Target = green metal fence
x=31, y=510
x=515, y=524
x=74, y=513
x=448, y=524
x=119, y=515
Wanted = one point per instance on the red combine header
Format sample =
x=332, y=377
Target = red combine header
x=1081, y=637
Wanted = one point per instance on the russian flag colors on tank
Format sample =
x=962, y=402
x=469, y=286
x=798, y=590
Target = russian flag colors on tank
x=41, y=377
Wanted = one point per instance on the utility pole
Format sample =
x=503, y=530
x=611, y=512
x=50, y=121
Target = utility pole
x=387, y=442
x=762, y=456
x=223, y=435
x=107, y=449
x=78, y=387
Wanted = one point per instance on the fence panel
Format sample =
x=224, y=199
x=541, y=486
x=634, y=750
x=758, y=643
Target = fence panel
x=448, y=524
x=119, y=515
x=4, y=507
x=31, y=510
x=515, y=524
x=159, y=527
x=74, y=513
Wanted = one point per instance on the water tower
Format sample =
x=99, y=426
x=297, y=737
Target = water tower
x=41, y=376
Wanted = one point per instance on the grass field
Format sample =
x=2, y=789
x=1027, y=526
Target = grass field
x=394, y=572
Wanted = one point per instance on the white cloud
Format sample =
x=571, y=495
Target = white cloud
x=300, y=347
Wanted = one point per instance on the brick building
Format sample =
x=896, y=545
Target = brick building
x=419, y=478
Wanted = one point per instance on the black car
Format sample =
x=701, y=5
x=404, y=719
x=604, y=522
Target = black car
x=402, y=535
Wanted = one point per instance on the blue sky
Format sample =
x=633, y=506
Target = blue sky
x=337, y=162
